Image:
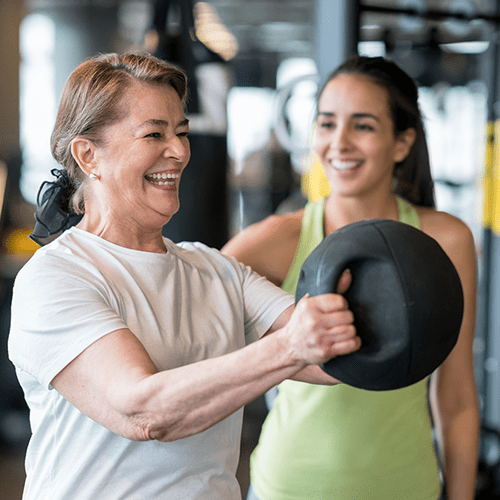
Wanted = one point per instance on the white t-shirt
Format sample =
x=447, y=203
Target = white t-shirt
x=187, y=305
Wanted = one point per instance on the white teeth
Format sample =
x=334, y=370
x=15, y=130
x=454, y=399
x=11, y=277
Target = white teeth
x=164, y=175
x=344, y=165
x=163, y=178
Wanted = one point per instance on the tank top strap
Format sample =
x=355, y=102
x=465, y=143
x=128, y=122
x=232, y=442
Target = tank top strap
x=311, y=234
x=408, y=213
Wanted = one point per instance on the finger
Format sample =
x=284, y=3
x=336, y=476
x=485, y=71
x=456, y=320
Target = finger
x=344, y=281
x=338, y=348
x=325, y=303
x=322, y=313
x=348, y=346
x=342, y=340
x=337, y=319
x=343, y=332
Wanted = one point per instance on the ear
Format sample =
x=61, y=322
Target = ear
x=83, y=151
x=404, y=142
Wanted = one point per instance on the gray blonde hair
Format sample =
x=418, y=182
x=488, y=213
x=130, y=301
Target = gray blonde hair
x=93, y=98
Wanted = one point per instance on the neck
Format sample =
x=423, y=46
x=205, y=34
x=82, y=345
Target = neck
x=341, y=211
x=126, y=235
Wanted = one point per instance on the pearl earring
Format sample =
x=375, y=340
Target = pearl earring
x=94, y=176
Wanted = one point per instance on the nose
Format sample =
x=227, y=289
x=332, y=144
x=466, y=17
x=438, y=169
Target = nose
x=178, y=148
x=340, y=139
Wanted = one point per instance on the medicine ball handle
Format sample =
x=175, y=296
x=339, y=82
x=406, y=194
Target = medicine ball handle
x=333, y=276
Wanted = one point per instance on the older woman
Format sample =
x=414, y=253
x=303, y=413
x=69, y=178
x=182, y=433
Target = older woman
x=136, y=354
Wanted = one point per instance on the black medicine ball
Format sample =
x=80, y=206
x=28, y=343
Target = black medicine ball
x=406, y=297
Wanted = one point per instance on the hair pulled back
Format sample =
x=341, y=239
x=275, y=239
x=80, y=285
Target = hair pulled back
x=93, y=98
x=412, y=176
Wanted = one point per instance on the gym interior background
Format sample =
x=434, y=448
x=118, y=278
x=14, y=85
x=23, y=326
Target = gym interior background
x=254, y=71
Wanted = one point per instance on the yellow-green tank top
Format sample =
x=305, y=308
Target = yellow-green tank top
x=340, y=442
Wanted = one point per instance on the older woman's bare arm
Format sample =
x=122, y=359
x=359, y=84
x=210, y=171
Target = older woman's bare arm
x=115, y=383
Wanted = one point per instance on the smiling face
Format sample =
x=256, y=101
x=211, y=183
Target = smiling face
x=355, y=137
x=139, y=161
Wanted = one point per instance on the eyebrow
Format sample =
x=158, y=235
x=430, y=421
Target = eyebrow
x=161, y=123
x=354, y=115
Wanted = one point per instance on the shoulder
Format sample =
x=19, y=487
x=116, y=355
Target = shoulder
x=444, y=227
x=198, y=255
x=205, y=263
x=70, y=265
x=47, y=260
x=268, y=247
x=449, y=231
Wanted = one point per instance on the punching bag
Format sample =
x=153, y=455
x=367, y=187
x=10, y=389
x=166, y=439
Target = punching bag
x=203, y=214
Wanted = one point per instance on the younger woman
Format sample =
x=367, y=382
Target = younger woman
x=344, y=442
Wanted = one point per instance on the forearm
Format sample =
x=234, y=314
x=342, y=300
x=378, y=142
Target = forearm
x=313, y=374
x=192, y=398
x=459, y=436
x=115, y=383
x=187, y=400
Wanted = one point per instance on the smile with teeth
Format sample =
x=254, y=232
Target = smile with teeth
x=163, y=178
x=345, y=165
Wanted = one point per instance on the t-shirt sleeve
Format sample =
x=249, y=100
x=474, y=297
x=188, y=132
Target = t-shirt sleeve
x=59, y=308
x=264, y=303
x=261, y=301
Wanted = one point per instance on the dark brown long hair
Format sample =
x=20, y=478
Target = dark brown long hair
x=412, y=176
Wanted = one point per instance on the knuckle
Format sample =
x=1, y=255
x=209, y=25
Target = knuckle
x=310, y=323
